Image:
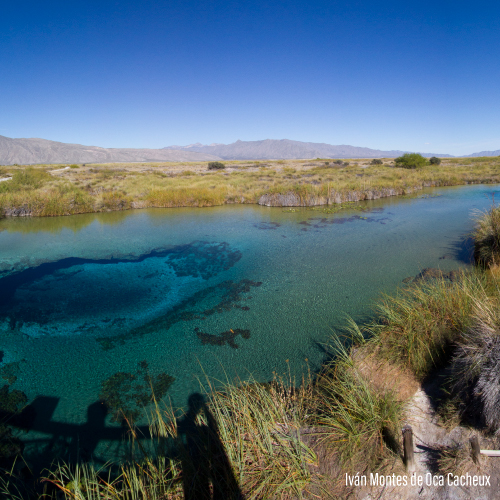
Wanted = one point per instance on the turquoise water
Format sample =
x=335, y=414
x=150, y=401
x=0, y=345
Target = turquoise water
x=225, y=292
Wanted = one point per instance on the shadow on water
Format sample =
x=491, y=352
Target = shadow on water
x=206, y=469
x=462, y=250
x=203, y=457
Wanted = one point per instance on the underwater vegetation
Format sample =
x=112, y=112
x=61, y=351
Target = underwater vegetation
x=10, y=371
x=431, y=273
x=197, y=259
x=322, y=222
x=228, y=294
x=202, y=259
x=12, y=402
x=223, y=338
x=267, y=225
x=333, y=209
x=125, y=394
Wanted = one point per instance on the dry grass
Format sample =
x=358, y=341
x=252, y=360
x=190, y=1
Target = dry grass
x=123, y=186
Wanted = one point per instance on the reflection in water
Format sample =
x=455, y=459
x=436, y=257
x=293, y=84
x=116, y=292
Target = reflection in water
x=55, y=225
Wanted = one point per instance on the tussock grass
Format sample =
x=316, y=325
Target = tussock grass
x=181, y=197
x=418, y=324
x=260, y=425
x=476, y=365
x=487, y=236
x=358, y=422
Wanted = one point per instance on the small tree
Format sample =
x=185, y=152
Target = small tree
x=216, y=165
x=376, y=161
x=410, y=160
x=435, y=160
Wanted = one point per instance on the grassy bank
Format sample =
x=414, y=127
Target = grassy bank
x=56, y=190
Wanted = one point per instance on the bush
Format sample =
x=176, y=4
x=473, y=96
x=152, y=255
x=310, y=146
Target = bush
x=487, y=236
x=435, y=160
x=376, y=161
x=410, y=160
x=216, y=165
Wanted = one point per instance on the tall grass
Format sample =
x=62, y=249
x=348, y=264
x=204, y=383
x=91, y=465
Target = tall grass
x=358, y=422
x=487, y=236
x=418, y=324
x=184, y=197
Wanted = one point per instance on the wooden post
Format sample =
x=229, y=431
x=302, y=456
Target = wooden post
x=476, y=451
x=408, y=457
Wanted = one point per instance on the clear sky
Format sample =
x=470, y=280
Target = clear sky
x=410, y=75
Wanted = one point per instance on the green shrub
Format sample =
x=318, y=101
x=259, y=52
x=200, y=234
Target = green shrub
x=216, y=165
x=74, y=166
x=435, y=160
x=376, y=161
x=410, y=160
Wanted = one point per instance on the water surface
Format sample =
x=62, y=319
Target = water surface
x=176, y=294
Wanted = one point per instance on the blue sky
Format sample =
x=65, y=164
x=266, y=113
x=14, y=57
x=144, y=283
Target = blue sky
x=417, y=76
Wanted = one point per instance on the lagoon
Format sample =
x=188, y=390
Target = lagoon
x=171, y=296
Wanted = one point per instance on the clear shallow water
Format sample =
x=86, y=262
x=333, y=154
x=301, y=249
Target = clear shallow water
x=223, y=291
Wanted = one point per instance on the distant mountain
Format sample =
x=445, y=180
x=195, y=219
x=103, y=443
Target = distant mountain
x=28, y=151
x=486, y=153
x=271, y=149
x=32, y=151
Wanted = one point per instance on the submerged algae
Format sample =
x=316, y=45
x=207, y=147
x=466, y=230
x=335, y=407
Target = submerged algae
x=222, y=338
x=227, y=294
x=126, y=393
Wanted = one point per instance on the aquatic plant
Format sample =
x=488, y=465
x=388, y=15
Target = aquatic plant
x=203, y=259
x=10, y=371
x=228, y=294
x=12, y=403
x=223, y=338
x=127, y=394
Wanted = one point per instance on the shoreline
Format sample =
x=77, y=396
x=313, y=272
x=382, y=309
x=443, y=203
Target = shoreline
x=43, y=191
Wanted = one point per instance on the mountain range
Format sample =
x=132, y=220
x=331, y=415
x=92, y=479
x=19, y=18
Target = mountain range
x=285, y=149
x=32, y=151
x=36, y=151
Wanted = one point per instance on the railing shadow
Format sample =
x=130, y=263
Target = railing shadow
x=206, y=468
